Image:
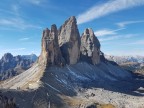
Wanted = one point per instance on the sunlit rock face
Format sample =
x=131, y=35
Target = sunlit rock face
x=69, y=41
x=90, y=47
x=50, y=54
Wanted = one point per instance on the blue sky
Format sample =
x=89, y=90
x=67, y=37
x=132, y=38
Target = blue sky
x=118, y=24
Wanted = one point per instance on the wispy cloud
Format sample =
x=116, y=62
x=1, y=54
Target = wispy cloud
x=123, y=24
x=110, y=38
x=17, y=23
x=15, y=49
x=14, y=20
x=15, y=9
x=24, y=39
x=7, y=11
x=138, y=42
x=35, y=2
x=105, y=32
x=107, y=8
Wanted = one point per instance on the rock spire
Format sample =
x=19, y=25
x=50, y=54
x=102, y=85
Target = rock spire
x=90, y=47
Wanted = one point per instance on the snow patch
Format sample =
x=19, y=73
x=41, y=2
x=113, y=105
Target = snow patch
x=76, y=75
x=62, y=81
x=52, y=87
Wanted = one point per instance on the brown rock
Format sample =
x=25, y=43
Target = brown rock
x=50, y=54
x=90, y=47
x=69, y=41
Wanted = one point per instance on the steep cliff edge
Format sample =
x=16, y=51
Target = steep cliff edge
x=90, y=47
x=50, y=51
x=69, y=41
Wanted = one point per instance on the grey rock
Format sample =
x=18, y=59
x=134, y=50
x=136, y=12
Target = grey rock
x=13, y=65
x=51, y=54
x=6, y=102
x=90, y=47
x=69, y=41
x=31, y=57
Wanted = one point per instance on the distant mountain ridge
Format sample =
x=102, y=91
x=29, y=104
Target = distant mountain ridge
x=32, y=57
x=125, y=59
x=13, y=65
x=134, y=64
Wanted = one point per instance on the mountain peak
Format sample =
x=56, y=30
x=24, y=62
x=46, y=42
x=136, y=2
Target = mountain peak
x=89, y=31
x=69, y=41
x=90, y=47
x=72, y=18
x=50, y=54
x=66, y=42
x=53, y=28
x=7, y=57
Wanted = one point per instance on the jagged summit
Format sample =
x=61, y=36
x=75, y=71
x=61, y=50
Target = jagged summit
x=90, y=47
x=50, y=52
x=64, y=46
x=7, y=57
x=89, y=32
x=69, y=41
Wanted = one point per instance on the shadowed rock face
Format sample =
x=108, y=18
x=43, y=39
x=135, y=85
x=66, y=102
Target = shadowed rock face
x=69, y=41
x=50, y=54
x=90, y=47
x=6, y=102
x=13, y=65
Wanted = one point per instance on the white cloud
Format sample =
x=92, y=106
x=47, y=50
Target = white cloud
x=24, y=39
x=105, y=32
x=126, y=36
x=17, y=23
x=6, y=11
x=16, y=49
x=35, y=2
x=139, y=42
x=107, y=8
x=109, y=38
x=123, y=24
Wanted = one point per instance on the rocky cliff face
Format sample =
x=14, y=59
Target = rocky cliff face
x=64, y=45
x=51, y=54
x=12, y=65
x=69, y=41
x=90, y=47
x=6, y=102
